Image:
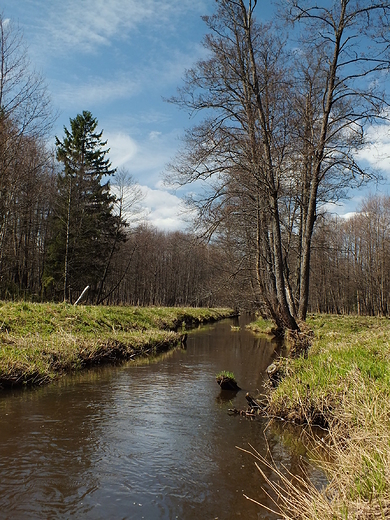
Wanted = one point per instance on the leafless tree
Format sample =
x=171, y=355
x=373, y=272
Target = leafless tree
x=25, y=120
x=281, y=131
x=345, y=48
x=351, y=261
x=128, y=199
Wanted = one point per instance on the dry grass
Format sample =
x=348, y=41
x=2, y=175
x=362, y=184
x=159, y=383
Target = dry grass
x=344, y=384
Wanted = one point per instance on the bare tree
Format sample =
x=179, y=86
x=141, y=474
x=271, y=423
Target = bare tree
x=346, y=50
x=25, y=120
x=129, y=196
x=127, y=207
x=350, y=264
x=240, y=149
x=24, y=98
x=282, y=130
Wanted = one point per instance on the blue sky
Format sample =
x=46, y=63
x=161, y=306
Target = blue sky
x=119, y=59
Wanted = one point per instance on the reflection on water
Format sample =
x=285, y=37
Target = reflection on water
x=151, y=441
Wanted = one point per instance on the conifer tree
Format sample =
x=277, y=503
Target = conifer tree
x=85, y=228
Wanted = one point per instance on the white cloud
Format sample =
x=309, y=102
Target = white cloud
x=144, y=157
x=377, y=151
x=145, y=160
x=153, y=136
x=165, y=210
x=349, y=215
x=123, y=148
x=88, y=24
x=157, y=207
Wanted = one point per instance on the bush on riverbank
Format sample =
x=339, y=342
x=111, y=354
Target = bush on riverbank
x=344, y=384
x=38, y=342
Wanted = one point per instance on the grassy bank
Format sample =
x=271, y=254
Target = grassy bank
x=261, y=326
x=343, y=386
x=39, y=342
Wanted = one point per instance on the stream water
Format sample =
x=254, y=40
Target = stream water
x=152, y=441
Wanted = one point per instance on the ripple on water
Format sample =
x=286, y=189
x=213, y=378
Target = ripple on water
x=149, y=442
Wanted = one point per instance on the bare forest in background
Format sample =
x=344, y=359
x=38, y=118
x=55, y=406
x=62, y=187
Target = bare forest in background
x=350, y=264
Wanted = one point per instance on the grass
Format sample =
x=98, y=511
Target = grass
x=344, y=348
x=343, y=386
x=39, y=342
x=225, y=374
x=261, y=326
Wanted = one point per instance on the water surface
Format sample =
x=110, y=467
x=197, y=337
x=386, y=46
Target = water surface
x=152, y=441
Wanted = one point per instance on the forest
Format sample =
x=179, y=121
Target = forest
x=279, y=141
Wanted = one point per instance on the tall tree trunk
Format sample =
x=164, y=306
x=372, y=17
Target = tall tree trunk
x=284, y=310
x=67, y=238
x=319, y=156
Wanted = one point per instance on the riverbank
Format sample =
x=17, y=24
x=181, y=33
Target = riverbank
x=344, y=387
x=40, y=342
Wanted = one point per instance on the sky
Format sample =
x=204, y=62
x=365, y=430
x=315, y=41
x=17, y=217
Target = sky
x=120, y=59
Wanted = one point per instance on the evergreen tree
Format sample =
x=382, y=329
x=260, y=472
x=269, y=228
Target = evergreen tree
x=85, y=229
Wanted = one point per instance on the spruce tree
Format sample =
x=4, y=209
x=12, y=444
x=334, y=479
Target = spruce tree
x=85, y=229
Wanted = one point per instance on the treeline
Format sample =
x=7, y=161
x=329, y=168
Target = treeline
x=165, y=268
x=27, y=182
x=26, y=201
x=351, y=262
x=63, y=229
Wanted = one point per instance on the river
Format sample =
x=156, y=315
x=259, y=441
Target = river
x=150, y=441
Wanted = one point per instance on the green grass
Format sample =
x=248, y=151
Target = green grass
x=343, y=346
x=24, y=318
x=225, y=374
x=343, y=385
x=261, y=326
x=40, y=341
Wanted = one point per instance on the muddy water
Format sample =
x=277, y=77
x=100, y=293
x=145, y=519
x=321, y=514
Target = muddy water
x=132, y=442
